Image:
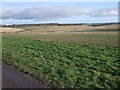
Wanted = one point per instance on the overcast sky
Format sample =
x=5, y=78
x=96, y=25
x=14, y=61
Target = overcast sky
x=58, y=12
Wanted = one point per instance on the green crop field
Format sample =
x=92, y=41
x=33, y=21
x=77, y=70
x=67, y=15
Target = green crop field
x=65, y=60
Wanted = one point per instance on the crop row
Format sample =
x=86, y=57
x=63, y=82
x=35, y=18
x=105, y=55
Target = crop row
x=62, y=64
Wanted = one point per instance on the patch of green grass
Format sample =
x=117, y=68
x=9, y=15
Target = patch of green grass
x=107, y=40
x=99, y=39
x=97, y=30
x=63, y=64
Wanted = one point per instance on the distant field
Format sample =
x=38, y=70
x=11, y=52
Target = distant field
x=102, y=35
x=9, y=30
x=104, y=39
x=63, y=57
x=98, y=30
x=48, y=29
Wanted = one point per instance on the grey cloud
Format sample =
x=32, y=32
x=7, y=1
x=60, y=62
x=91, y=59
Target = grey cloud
x=44, y=12
x=8, y=14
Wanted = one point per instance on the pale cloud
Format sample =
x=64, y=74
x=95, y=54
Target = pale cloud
x=105, y=12
x=46, y=13
x=1, y=12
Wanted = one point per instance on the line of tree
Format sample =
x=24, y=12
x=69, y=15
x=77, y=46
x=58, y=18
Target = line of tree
x=46, y=24
x=57, y=24
x=102, y=24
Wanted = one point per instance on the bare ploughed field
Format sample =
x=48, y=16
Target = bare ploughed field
x=10, y=30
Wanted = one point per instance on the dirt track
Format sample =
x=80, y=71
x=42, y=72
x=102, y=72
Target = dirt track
x=15, y=79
